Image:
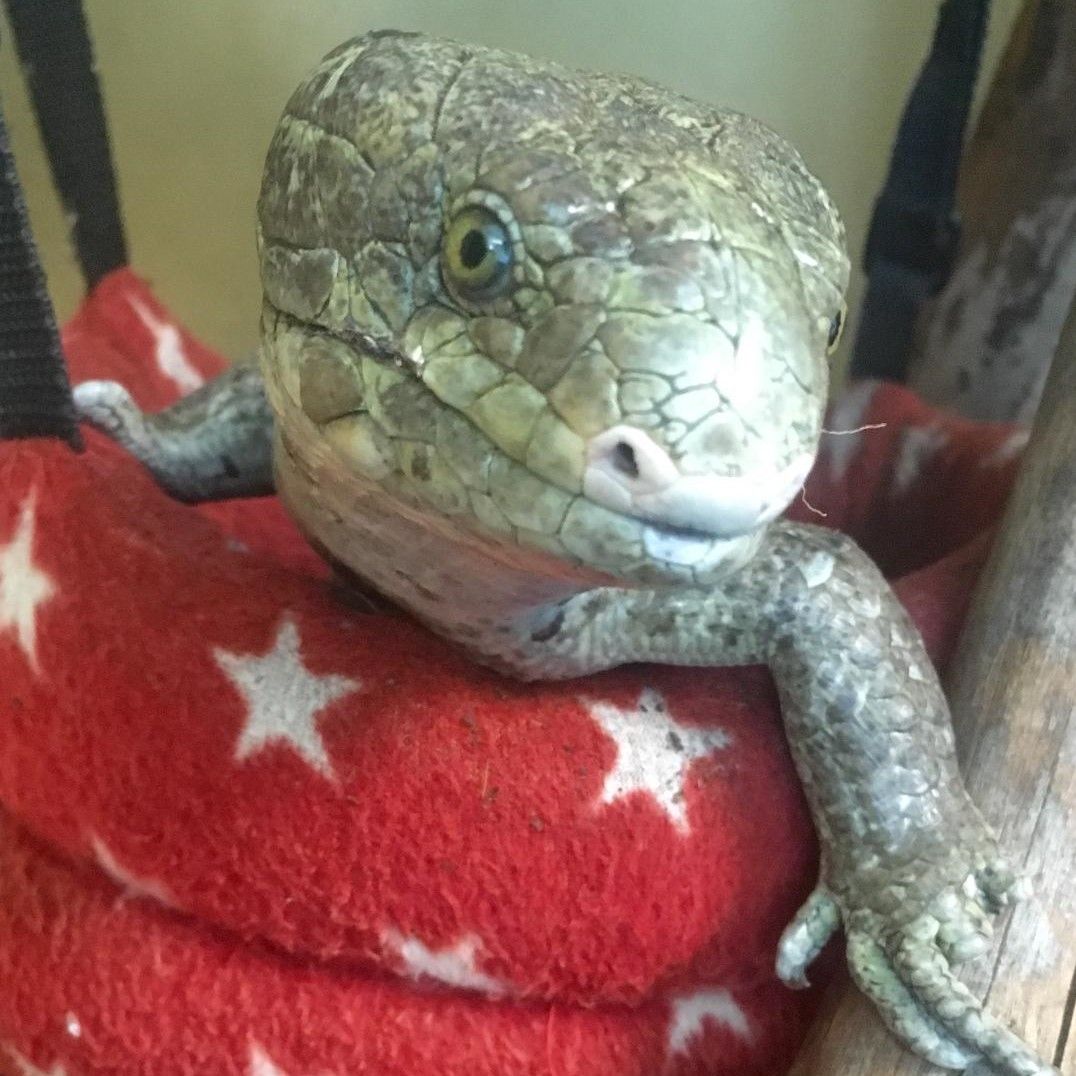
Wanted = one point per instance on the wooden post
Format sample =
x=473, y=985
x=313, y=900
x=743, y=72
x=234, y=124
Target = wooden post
x=1013, y=691
x=986, y=342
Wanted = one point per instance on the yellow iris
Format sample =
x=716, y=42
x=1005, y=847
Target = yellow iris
x=477, y=254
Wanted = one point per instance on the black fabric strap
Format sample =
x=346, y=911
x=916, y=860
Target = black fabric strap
x=35, y=396
x=914, y=230
x=54, y=48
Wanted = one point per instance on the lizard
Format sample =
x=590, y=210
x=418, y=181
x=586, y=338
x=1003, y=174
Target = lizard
x=544, y=358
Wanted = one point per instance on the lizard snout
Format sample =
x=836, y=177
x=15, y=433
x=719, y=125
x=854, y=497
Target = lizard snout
x=629, y=472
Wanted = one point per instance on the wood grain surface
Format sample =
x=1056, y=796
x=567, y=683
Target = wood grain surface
x=985, y=344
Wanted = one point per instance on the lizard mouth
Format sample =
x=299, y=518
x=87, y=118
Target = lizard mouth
x=628, y=472
x=686, y=546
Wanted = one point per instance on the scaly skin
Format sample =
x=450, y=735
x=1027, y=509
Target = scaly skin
x=578, y=462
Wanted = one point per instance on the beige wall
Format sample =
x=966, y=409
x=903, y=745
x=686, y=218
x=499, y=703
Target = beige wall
x=194, y=88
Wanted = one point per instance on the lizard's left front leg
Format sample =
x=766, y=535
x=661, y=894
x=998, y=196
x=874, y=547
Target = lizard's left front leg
x=909, y=865
x=213, y=444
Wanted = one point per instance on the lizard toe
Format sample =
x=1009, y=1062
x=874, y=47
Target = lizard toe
x=964, y=927
x=902, y=1012
x=806, y=936
x=925, y=972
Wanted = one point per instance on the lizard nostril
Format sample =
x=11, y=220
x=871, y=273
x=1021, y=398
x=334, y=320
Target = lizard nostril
x=625, y=463
x=624, y=460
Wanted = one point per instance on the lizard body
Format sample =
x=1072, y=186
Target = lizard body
x=545, y=359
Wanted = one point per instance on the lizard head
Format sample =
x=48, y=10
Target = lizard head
x=572, y=312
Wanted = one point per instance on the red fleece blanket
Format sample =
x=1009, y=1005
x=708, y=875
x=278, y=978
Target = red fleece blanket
x=250, y=828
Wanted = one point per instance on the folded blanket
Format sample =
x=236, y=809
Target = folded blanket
x=251, y=827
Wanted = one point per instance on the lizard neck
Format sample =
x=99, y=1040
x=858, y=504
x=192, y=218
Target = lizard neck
x=462, y=585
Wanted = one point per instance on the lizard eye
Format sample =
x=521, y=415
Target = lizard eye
x=836, y=328
x=477, y=255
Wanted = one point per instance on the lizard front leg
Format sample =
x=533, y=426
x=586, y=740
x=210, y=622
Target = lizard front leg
x=909, y=865
x=213, y=444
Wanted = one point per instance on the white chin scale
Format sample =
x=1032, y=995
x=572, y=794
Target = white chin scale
x=630, y=473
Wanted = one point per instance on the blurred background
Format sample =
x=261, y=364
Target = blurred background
x=193, y=92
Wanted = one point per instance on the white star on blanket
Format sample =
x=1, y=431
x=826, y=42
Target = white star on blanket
x=261, y=1064
x=653, y=752
x=27, y=1069
x=23, y=586
x=453, y=965
x=690, y=1012
x=283, y=698
x=171, y=359
x=131, y=884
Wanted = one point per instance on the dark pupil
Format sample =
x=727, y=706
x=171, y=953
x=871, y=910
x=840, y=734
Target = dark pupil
x=834, y=330
x=473, y=249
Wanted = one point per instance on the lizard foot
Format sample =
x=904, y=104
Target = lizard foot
x=109, y=407
x=212, y=444
x=903, y=964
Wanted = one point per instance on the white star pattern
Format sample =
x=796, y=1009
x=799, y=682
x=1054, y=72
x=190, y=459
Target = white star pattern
x=171, y=359
x=918, y=446
x=27, y=1069
x=653, y=752
x=690, y=1012
x=23, y=586
x=1008, y=450
x=453, y=965
x=283, y=698
x=131, y=884
x=847, y=416
x=261, y=1064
